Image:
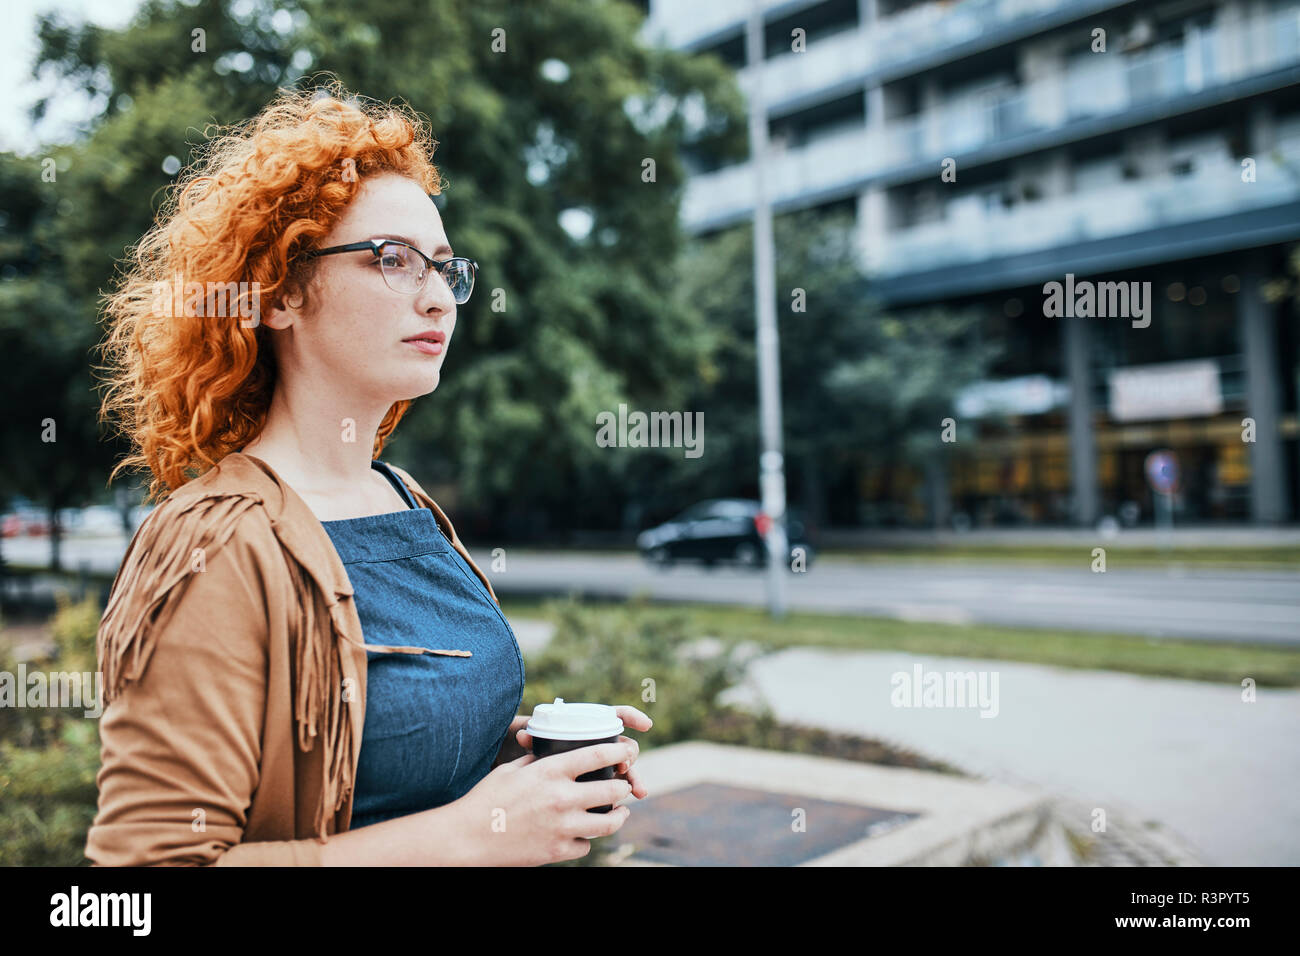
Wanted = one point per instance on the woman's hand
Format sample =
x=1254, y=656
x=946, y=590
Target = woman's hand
x=529, y=812
x=632, y=719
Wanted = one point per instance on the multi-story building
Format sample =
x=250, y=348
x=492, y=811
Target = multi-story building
x=990, y=147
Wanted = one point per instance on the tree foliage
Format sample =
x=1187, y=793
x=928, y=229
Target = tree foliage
x=545, y=115
x=538, y=109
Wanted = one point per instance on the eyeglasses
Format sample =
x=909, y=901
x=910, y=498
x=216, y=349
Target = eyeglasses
x=405, y=267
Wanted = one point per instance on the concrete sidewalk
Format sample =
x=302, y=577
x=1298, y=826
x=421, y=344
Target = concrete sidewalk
x=1185, y=771
x=1221, y=773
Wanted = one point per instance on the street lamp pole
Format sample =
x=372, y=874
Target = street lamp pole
x=771, y=461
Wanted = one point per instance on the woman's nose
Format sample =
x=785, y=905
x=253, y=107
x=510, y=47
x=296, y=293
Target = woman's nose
x=436, y=295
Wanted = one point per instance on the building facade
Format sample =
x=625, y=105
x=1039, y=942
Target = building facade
x=1144, y=156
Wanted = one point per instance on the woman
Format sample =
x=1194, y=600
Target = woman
x=302, y=663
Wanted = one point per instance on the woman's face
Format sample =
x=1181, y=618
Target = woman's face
x=353, y=337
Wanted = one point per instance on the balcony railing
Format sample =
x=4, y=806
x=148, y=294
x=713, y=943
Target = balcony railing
x=1214, y=189
x=891, y=42
x=1104, y=84
x=915, y=32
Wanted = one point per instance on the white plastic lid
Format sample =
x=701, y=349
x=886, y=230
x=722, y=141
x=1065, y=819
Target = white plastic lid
x=561, y=721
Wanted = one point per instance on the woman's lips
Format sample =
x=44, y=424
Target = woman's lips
x=427, y=346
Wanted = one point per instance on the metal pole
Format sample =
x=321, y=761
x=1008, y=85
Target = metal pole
x=771, y=462
x=1166, y=525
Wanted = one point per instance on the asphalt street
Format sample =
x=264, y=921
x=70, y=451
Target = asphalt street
x=1205, y=604
x=1227, y=605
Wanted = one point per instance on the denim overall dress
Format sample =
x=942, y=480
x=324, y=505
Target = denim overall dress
x=434, y=723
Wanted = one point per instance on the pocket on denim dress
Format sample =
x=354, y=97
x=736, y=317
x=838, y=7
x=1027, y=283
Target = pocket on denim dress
x=400, y=748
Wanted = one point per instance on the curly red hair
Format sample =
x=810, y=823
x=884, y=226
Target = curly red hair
x=186, y=390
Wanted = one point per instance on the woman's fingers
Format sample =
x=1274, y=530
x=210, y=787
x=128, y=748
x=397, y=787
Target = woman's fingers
x=636, y=752
x=633, y=718
x=626, y=771
x=638, y=786
x=633, y=777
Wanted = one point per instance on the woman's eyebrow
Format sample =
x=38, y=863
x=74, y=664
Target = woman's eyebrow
x=409, y=241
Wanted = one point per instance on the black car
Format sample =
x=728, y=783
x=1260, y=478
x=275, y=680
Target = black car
x=721, y=529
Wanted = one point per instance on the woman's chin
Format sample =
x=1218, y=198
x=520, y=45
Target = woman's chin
x=417, y=385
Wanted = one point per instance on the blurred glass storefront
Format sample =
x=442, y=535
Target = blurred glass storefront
x=1181, y=384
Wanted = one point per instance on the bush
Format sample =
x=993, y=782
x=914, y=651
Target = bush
x=49, y=756
x=629, y=654
x=73, y=628
x=48, y=798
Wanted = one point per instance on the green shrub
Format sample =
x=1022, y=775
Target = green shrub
x=48, y=798
x=73, y=628
x=49, y=756
x=630, y=654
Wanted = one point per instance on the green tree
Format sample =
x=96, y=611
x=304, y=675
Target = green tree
x=542, y=111
x=49, y=438
x=853, y=377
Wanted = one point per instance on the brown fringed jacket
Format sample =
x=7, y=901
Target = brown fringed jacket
x=234, y=679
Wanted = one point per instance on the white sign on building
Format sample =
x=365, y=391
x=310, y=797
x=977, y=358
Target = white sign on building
x=1167, y=390
x=1027, y=395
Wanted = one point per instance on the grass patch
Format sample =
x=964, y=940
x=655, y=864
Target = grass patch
x=1270, y=558
x=1268, y=665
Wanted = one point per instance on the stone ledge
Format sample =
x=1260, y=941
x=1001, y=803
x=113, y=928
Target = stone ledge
x=960, y=822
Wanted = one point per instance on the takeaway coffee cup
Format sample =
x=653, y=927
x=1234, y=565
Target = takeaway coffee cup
x=559, y=727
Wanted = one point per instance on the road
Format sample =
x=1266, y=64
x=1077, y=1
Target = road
x=1229, y=605
x=1203, y=604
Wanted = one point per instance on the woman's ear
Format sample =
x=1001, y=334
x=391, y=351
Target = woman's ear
x=289, y=306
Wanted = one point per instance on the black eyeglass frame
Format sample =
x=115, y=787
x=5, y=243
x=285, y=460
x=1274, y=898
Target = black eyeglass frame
x=375, y=245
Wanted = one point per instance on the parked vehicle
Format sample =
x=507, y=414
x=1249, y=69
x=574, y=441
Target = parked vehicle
x=25, y=521
x=720, y=530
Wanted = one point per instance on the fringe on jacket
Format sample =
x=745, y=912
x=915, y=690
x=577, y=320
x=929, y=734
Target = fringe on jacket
x=155, y=573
